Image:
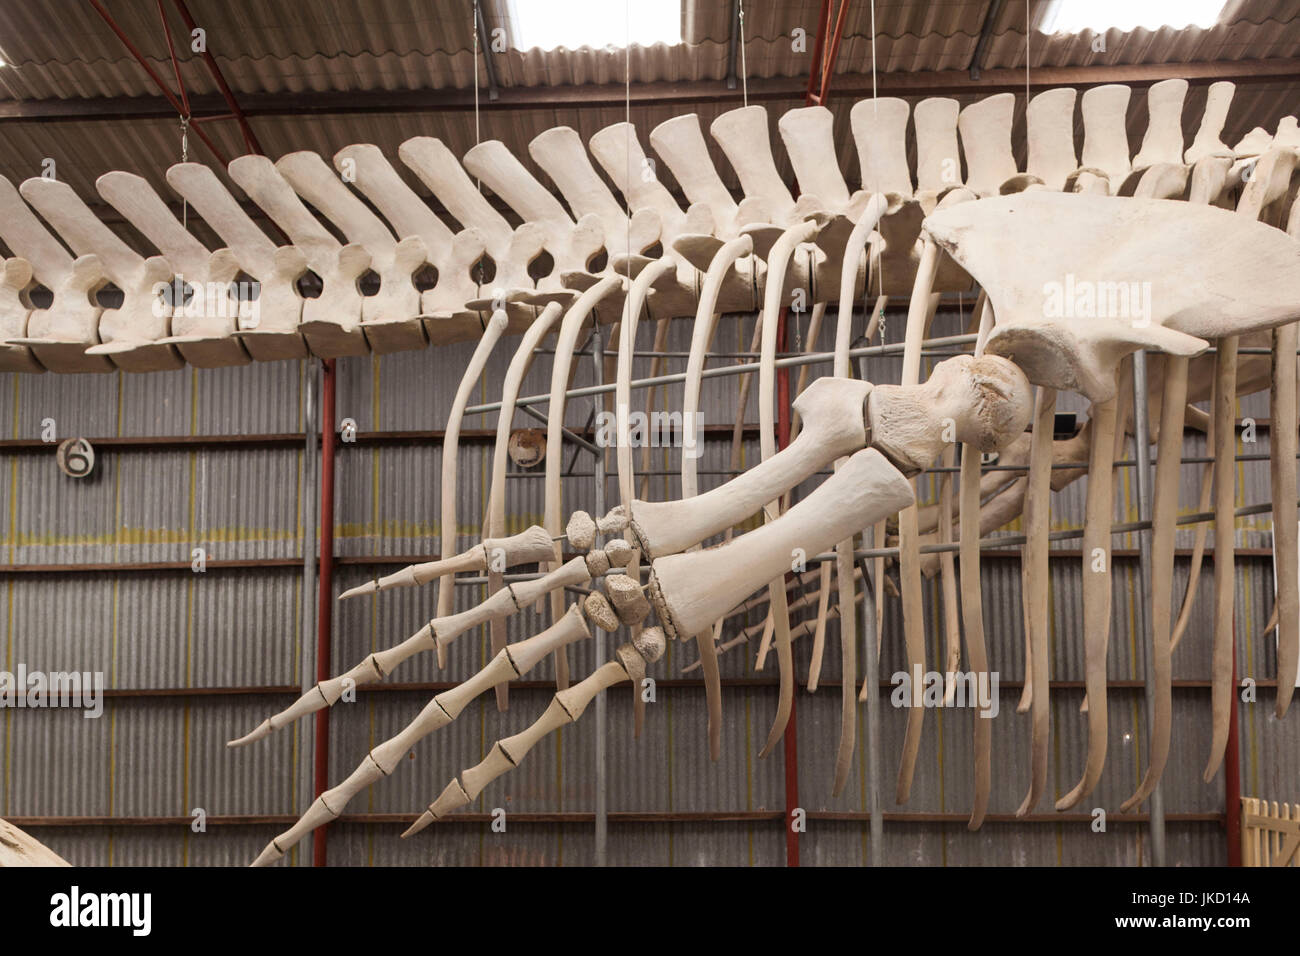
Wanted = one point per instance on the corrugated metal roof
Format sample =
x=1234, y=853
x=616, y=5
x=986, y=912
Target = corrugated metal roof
x=285, y=46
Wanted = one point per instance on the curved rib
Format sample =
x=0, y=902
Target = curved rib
x=1225, y=493
x=1034, y=581
x=777, y=261
x=706, y=322
x=520, y=363
x=553, y=520
x=1099, y=512
x=909, y=555
x=448, y=506
x=1164, y=515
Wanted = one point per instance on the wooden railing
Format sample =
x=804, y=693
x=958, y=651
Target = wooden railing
x=1270, y=833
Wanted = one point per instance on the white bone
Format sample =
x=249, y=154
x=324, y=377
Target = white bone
x=331, y=321
x=560, y=154
x=680, y=142
x=452, y=255
x=206, y=339
x=1200, y=288
x=275, y=268
x=697, y=588
x=142, y=319
x=880, y=132
x=743, y=135
x=571, y=245
x=938, y=163
x=511, y=250
x=985, y=128
x=1105, y=132
x=1207, y=142
x=809, y=137
x=1163, y=142
x=1050, y=124
x=15, y=277
x=391, y=314
x=58, y=335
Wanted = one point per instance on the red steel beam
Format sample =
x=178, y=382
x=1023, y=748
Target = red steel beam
x=325, y=595
x=182, y=110
x=250, y=138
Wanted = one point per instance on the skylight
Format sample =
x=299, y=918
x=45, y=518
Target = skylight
x=1075, y=16
x=595, y=23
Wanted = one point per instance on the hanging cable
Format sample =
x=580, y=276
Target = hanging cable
x=744, y=71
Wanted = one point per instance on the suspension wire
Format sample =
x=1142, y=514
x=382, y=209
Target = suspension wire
x=185, y=158
x=744, y=71
x=478, y=184
x=875, y=109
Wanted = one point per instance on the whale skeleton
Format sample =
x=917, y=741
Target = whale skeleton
x=1210, y=230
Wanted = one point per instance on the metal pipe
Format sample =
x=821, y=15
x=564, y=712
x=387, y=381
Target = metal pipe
x=325, y=589
x=602, y=704
x=310, y=507
x=568, y=434
x=1142, y=440
x=875, y=855
x=733, y=46
x=809, y=358
x=489, y=68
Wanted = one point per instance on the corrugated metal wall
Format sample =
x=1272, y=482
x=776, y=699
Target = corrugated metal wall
x=177, y=633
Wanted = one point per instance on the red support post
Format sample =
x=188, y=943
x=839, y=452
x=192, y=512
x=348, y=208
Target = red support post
x=325, y=594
